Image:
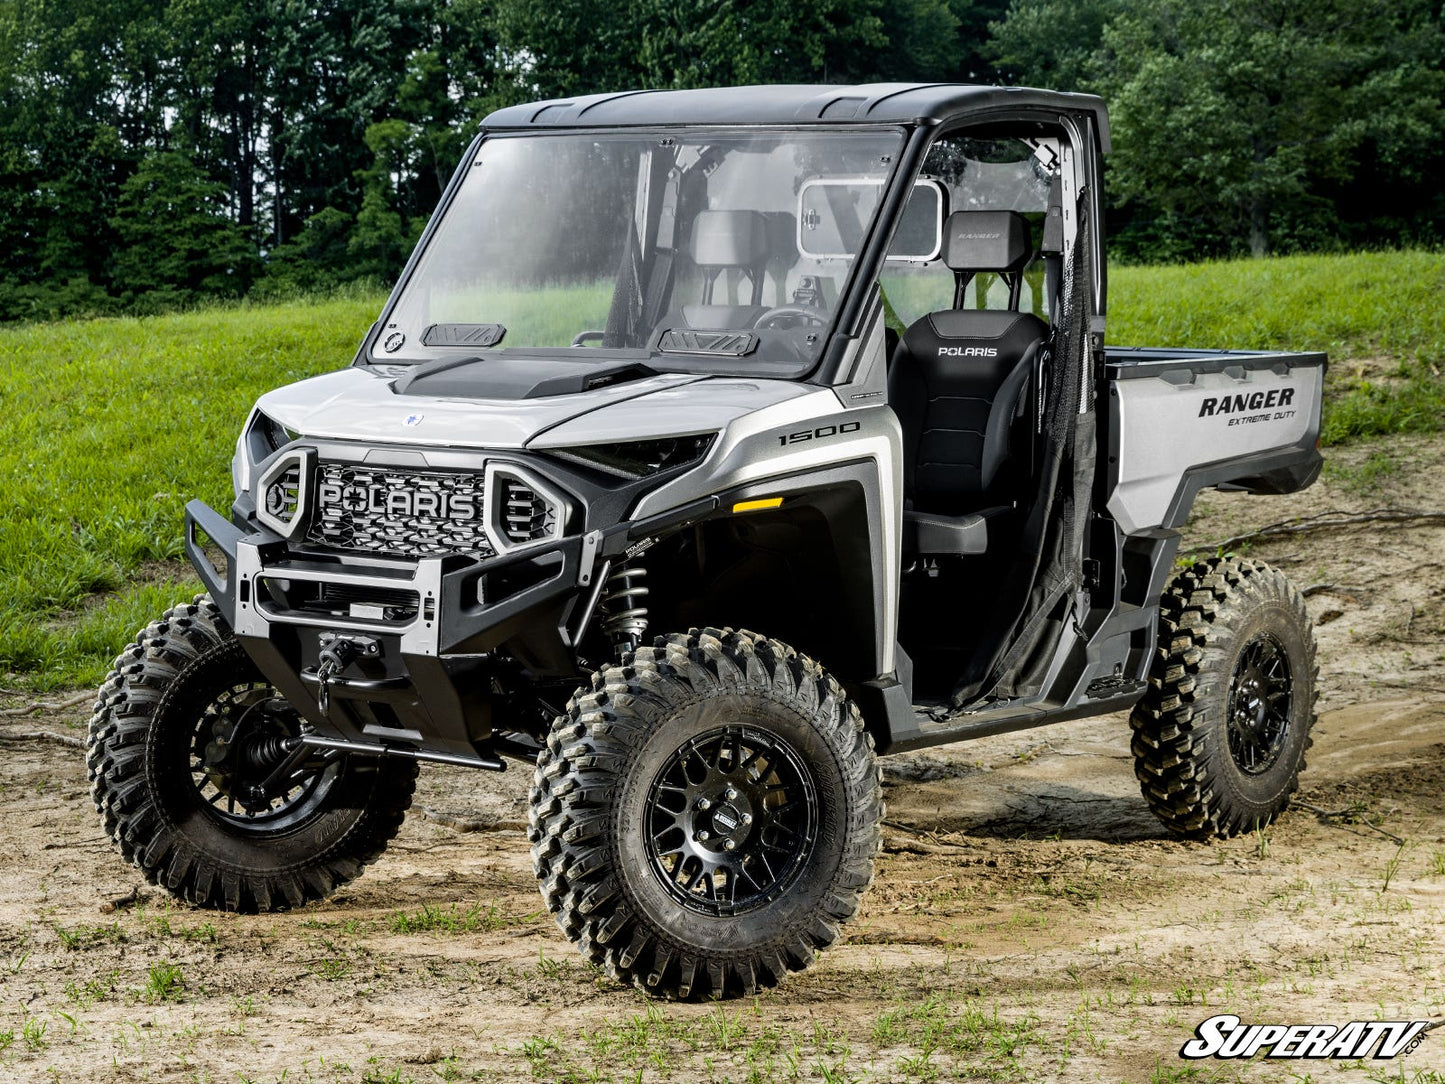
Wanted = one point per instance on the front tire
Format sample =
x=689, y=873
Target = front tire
x=1220, y=736
x=706, y=815
x=184, y=727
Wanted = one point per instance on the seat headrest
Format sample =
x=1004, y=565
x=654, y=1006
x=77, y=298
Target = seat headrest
x=987, y=241
x=729, y=239
x=982, y=324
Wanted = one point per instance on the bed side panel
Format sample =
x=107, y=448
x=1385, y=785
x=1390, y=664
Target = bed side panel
x=1178, y=425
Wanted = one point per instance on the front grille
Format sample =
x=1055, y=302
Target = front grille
x=526, y=515
x=400, y=512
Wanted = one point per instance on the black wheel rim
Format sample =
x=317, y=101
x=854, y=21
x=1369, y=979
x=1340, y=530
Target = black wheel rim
x=240, y=740
x=1259, y=705
x=732, y=820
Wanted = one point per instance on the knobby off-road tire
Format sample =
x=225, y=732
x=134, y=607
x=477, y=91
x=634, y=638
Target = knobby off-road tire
x=1220, y=736
x=186, y=675
x=706, y=815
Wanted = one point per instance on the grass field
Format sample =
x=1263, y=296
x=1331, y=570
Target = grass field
x=107, y=427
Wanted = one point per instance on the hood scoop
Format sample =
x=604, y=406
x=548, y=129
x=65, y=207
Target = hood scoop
x=513, y=378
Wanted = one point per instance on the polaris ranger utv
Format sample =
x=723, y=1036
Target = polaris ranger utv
x=712, y=444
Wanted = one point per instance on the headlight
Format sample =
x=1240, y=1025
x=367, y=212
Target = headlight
x=266, y=435
x=283, y=491
x=634, y=459
x=262, y=438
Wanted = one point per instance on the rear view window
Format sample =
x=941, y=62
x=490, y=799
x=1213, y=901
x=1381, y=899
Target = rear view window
x=976, y=175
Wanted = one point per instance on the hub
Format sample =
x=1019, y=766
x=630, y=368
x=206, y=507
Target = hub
x=241, y=745
x=733, y=820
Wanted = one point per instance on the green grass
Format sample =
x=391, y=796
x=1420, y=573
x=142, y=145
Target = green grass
x=473, y=919
x=1413, y=401
x=79, y=938
x=936, y=1039
x=164, y=982
x=1358, y=305
x=107, y=427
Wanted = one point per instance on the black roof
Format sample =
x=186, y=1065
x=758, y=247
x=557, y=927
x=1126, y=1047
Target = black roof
x=870, y=103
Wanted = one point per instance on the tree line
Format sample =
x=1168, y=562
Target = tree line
x=159, y=152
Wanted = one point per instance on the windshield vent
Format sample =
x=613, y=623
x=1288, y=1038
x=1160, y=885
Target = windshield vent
x=731, y=344
x=526, y=515
x=473, y=335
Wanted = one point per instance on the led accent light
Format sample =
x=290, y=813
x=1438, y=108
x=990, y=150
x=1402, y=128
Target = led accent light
x=758, y=505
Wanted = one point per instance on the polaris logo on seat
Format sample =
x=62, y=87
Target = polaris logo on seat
x=1238, y=404
x=968, y=351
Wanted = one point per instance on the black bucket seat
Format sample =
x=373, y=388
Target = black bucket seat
x=957, y=383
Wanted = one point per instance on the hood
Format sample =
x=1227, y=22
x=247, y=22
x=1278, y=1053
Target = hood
x=708, y=405
x=355, y=404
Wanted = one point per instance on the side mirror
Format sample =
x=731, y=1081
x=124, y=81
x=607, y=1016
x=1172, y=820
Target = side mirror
x=832, y=215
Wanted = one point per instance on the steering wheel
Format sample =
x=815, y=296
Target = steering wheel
x=782, y=312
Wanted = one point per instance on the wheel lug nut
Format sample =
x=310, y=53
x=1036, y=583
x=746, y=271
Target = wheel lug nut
x=747, y=818
x=731, y=793
x=730, y=845
x=703, y=837
x=703, y=803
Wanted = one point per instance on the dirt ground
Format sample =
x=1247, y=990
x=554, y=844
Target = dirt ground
x=1030, y=919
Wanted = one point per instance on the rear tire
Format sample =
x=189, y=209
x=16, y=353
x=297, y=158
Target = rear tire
x=183, y=723
x=1220, y=736
x=706, y=815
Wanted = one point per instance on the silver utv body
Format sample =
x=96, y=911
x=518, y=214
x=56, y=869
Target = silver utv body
x=456, y=623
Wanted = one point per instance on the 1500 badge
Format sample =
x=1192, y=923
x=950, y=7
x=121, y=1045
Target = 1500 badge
x=821, y=433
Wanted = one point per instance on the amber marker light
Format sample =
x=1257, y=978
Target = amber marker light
x=757, y=506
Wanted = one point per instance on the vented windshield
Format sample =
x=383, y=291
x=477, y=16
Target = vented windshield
x=725, y=248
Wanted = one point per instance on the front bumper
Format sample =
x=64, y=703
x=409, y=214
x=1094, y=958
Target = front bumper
x=424, y=673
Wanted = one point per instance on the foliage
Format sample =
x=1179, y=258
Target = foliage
x=318, y=256
x=1248, y=113
x=381, y=238
x=1052, y=43
x=1252, y=125
x=177, y=242
x=305, y=144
